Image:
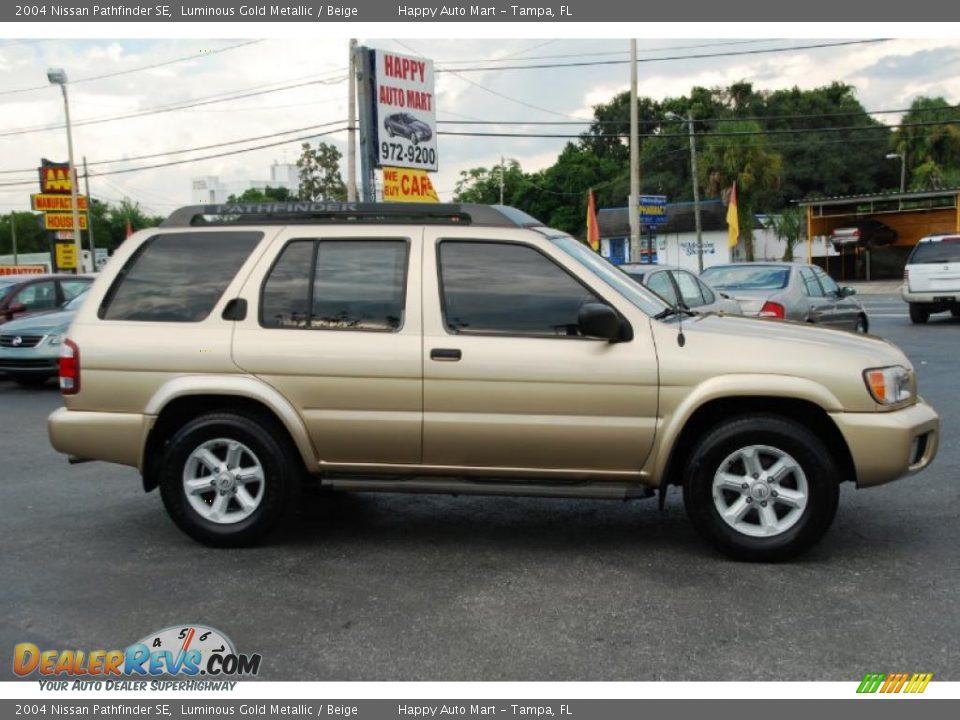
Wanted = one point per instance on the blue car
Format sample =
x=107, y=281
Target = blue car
x=30, y=348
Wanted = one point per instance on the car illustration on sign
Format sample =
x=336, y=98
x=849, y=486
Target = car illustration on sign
x=407, y=126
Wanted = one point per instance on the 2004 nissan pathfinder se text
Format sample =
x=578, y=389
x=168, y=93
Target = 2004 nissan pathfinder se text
x=237, y=350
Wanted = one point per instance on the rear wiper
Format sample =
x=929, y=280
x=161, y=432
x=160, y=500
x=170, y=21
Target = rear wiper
x=673, y=310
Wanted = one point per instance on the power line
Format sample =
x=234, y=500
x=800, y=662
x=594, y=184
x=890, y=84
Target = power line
x=602, y=54
x=665, y=58
x=137, y=69
x=228, y=153
x=167, y=108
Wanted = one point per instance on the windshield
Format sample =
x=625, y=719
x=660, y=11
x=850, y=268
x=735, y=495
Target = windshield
x=642, y=298
x=936, y=251
x=747, y=277
x=76, y=302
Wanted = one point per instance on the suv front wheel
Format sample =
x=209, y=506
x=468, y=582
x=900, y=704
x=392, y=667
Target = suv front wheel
x=226, y=479
x=761, y=488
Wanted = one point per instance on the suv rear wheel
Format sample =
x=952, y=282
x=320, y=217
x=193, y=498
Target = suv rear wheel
x=226, y=479
x=761, y=488
x=918, y=314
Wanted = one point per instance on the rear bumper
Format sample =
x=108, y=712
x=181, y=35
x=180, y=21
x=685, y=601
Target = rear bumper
x=886, y=446
x=113, y=437
x=930, y=298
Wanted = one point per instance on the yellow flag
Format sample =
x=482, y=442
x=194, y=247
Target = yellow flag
x=733, y=219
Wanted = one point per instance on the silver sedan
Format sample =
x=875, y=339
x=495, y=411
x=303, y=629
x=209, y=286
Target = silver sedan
x=790, y=291
x=676, y=285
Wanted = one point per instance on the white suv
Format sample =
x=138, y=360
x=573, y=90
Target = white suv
x=931, y=280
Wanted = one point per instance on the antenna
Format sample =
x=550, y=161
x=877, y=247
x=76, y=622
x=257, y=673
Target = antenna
x=681, y=307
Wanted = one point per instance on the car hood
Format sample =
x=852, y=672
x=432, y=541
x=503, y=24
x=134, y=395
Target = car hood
x=717, y=345
x=45, y=324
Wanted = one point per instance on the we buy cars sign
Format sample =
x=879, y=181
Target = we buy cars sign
x=406, y=111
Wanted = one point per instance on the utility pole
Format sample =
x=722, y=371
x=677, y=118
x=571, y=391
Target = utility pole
x=86, y=189
x=352, y=124
x=633, y=201
x=501, y=179
x=13, y=233
x=57, y=76
x=696, y=191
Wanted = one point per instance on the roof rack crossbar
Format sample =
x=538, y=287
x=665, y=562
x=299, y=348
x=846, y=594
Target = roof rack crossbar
x=310, y=212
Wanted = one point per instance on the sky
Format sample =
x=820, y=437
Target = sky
x=141, y=78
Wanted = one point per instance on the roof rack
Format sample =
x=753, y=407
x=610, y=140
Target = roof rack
x=308, y=212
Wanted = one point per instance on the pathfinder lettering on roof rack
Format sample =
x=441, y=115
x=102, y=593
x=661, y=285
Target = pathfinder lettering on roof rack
x=296, y=207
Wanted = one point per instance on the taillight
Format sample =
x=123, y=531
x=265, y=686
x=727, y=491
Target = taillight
x=69, y=368
x=773, y=310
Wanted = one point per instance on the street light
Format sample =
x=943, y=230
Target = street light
x=58, y=76
x=696, y=189
x=903, y=168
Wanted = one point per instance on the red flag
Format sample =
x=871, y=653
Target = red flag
x=593, y=229
x=129, y=229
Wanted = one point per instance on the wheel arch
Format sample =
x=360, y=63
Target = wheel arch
x=186, y=398
x=713, y=411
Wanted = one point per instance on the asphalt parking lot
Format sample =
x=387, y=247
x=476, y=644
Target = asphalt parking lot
x=368, y=587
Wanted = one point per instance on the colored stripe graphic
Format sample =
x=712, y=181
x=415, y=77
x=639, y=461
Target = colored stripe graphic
x=894, y=683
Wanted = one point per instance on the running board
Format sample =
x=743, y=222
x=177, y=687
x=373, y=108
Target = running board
x=455, y=486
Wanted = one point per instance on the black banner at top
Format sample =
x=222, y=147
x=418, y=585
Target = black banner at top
x=491, y=11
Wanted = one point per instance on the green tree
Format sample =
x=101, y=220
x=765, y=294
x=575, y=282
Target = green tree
x=266, y=195
x=932, y=150
x=482, y=185
x=320, y=177
x=31, y=238
x=745, y=159
x=787, y=226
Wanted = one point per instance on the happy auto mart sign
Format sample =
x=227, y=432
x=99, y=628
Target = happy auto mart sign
x=406, y=111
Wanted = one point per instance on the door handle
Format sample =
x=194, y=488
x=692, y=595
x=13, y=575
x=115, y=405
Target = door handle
x=445, y=354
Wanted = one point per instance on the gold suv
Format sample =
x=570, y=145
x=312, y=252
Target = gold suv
x=237, y=350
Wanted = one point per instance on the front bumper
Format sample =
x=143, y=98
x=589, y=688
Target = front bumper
x=886, y=446
x=29, y=361
x=112, y=437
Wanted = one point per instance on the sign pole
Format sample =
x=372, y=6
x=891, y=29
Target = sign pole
x=633, y=210
x=73, y=183
x=367, y=130
x=13, y=233
x=352, y=124
x=86, y=186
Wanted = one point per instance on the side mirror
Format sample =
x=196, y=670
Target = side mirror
x=847, y=291
x=597, y=320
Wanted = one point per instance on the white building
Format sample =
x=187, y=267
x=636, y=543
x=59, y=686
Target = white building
x=675, y=243
x=211, y=189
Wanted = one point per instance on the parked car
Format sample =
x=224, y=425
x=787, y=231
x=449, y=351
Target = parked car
x=406, y=125
x=931, y=279
x=676, y=285
x=25, y=295
x=868, y=233
x=790, y=291
x=461, y=349
x=30, y=347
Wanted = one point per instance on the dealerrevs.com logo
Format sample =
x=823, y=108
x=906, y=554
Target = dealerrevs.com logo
x=180, y=651
x=888, y=683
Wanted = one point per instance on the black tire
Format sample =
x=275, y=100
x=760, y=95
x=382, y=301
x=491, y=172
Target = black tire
x=786, y=436
x=918, y=314
x=955, y=312
x=31, y=380
x=415, y=139
x=282, y=473
x=863, y=325
x=390, y=132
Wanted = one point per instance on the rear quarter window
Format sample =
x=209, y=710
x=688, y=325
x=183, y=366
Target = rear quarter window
x=177, y=277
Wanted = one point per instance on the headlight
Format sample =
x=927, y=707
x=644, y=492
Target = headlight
x=889, y=385
x=55, y=339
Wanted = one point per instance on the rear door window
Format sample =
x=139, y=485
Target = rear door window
x=810, y=284
x=177, y=277
x=662, y=285
x=689, y=289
